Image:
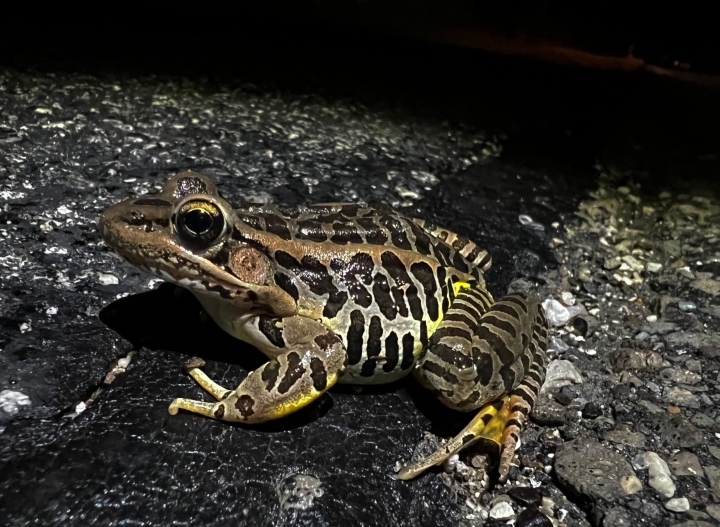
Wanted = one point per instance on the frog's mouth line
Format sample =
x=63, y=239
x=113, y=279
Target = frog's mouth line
x=158, y=254
x=187, y=270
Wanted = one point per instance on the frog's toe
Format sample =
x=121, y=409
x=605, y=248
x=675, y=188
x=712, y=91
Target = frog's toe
x=197, y=407
x=418, y=466
x=509, y=444
x=412, y=470
x=497, y=423
x=194, y=362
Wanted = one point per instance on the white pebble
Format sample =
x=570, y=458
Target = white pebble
x=678, y=505
x=567, y=298
x=557, y=345
x=686, y=305
x=574, y=311
x=107, y=279
x=11, y=401
x=651, y=318
x=502, y=511
x=653, y=267
x=658, y=471
x=525, y=219
x=556, y=313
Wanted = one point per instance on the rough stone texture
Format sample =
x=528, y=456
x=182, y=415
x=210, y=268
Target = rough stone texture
x=617, y=517
x=626, y=437
x=713, y=474
x=682, y=340
x=686, y=464
x=594, y=471
x=560, y=373
x=532, y=518
x=714, y=511
x=693, y=523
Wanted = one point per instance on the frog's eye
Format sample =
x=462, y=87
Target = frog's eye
x=200, y=222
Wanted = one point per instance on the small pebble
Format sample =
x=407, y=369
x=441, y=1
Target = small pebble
x=557, y=345
x=651, y=318
x=11, y=401
x=653, y=267
x=591, y=411
x=658, y=471
x=686, y=305
x=556, y=313
x=633, y=262
x=525, y=219
x=502, y=511
x=567, y=298
x=107, y=279
x=612, y=263
x=561, y=373
x=677, y=505
x=642, y=336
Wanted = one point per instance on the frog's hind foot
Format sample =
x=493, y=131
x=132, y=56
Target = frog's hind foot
x=498, y=422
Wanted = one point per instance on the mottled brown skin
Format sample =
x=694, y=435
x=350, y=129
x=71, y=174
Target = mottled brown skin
x=340, y=293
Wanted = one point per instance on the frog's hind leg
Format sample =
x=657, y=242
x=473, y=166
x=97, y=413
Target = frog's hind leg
x=500, y=358
x=312, y=360
x=499, y=422
x=477, y=256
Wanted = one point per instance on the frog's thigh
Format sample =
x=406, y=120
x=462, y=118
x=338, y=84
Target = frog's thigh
x=484, y=353
x=314, y=358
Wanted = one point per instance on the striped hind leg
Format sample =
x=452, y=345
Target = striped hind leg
x=469, y=250
x=499, y=358
x=510, y=419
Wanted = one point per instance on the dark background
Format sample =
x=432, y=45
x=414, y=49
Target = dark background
x=422, y=67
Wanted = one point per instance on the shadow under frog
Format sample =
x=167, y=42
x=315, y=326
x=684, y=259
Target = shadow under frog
x=170, y=318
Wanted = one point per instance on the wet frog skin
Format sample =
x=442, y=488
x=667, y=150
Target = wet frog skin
x=340, y=293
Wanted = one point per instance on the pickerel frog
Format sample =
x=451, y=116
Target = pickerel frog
x=340, y=293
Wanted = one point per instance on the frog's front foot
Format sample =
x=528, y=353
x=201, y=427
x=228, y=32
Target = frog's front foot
x=197, y=407
x=194, y=362
x=314, y=358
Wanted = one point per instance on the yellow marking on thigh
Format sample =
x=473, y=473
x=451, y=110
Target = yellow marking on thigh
x=459, y=286
x=299, y=401
x=432, y=325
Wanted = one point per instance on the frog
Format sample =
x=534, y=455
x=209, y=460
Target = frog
x=340, y=293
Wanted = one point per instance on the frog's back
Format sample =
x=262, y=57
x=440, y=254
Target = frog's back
x=380, y=280
x=377, y=225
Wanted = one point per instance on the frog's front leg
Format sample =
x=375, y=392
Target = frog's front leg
x=312, y=359
x=490, y=357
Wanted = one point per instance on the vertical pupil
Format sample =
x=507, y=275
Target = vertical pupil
x=198, y=221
